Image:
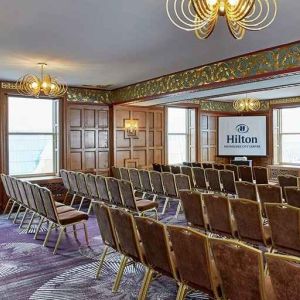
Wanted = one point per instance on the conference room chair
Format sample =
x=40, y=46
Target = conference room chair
x=245, y=173
x=25, y=201
x=193, y=209
x=196, y=270
x=186, y=170
x=241, y=270
x=188, y=164
x=285, y=229
x=213, y=180
x=168, y=180
x=196, y=165
x=146, y=183
x=200, y=180
x=102, y=189
x=175, y=169
x=116, y=173
x=157, y=185
x=227, y=179
x=10, y=194
x=218, y=166
x=207, y=165
x=83, y=190
x=284, y=272
x=20, y=200
x=73, y=186
x=219, y=214
x=234, y=169
x=140, y=207
x=128, y=241
x=246, y=190
x=268, y=194
x=124, y=174
x=136, y=180
x=182, y=183
x=249, y=223
x=260, y=175
x=107, y=232
x=92, y=187
x=65, y=179
x=114, y=191
x=292, y=195
x=157, y=251
x=15, y=195
x=156, y=167
x=166, y=168
x=287, y=180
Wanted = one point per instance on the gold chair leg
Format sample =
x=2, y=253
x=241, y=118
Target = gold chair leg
x=145, y=286
x=17, y=214
x=101, y=261
x=90, y=208
x=11, y=210
x=86, y=234
x=38, y=227
x=165, y=206
x=48, y=234
x=154, y=197
x=181, y=292
x=178, y=210
x=75, y=232
x=120, y=273
x=23, y=218
x=7, y=205
x=30, y=222
x=66, y=197
x=73, y=200
x=62, y=229
x=81, y=202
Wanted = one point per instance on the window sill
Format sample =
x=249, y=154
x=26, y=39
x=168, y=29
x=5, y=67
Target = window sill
x=42, y=179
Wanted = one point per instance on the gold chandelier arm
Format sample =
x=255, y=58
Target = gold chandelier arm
x=206, y=31
x=237, y=31
x=239, y=11
x=28, y=85
x=204, y=11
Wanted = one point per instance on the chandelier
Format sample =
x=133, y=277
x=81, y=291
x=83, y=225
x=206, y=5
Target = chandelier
x=201, y=16
x=32, y=85
x=246, y=104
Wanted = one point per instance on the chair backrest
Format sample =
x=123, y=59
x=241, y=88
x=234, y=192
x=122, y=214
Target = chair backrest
x=218, y=213
x=65, y=178
x=207, y=165
x=127, y=194
x=219, y=166
x=284, y=222
x=105, y=225
x=102, y=188
x=247, y=215
x=5, y=185
x=234, y=169
x=124, y=174
x=227, y=180
x=145, y=180
x=245, y=173
x=268, y=193
x=175, y=169
x=156, y=182
x=165, y=168
x=116, y=172
x=182, y=182
x=200, y=180
x=38, y=200
x=213, y=179
x=246, y=190
x=126, y=232
x=284, y=272
x=287, y=180
x=240, y=268
x=82, y=187
x=23, y=194
x=135, y=179
x=261, y=175
x=193, y=208
x=196, y=165
x=156, y=167
x=196, y=271
x=30, y=196
x=49, y=204
x=168, y=180
x=153, y=235
x=292, y=195
x=189, y=172
x=186, y=163
x=73, y=182
x=114, y=191
x=90, y=180
x=10, y=187
x=16, y=189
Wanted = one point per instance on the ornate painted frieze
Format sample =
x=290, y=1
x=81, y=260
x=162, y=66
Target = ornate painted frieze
x=88, y=95
x=216, y=106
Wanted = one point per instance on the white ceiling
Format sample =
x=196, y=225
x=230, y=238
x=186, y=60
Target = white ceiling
x=118, y=42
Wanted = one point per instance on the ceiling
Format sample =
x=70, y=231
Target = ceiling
x=101, y=42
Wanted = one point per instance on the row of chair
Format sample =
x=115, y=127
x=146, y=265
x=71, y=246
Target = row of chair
x=39, y=202
x=221, y=268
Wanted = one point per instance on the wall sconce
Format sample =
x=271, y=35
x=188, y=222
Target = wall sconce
x=131, y=127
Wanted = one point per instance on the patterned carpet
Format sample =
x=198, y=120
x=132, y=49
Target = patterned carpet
x=30, y=271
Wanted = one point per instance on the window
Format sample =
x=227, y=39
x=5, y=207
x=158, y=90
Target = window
x=286, y=129
x=181, y=135
x=32, y=136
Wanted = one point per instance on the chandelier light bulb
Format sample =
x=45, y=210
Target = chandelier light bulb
x=233, y=2
x=34, y=85
x=212, y=2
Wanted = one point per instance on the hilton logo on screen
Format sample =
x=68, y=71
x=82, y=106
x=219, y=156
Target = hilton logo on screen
x=240, y=139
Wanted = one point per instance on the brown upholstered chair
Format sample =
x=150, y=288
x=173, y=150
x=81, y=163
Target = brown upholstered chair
x=219, y=214
x=116, y=173
x=157, y=184
x=200, y=180
x=245, y=173
x=207, y=165
x=135, y=180
x=227, y=180
x=129, y=245
x=234, y=169
x=124, y=174
x=182, y=183
x=74, y=189
x=25, y=201
x=196, y=165
x=166, y=168
x=170, y=189
x=102, y=189
x=153, y=235
x=292, y=195
x=92, y=187
x=107, y=232
x=261, y=175
x=189, y=172
x=175, y=169
x=287, y=180
x=130, y=202
x=18, y=197
x=157, y=167
x=186, y=163
x=83, y=189
x=249, y=222
x=284, y=273
x=10, y=194
x=114, y=191
x=146, y=183
x=195, y=269
x=219, y=166
x=268, y=193
x=240, y=268
x=213, y=179
x=193, y=209
x=65, y=179
x=246, y=190
x=284, y=222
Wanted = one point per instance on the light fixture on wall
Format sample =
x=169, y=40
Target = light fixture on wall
x=246, y=104
x=32, y=85
x=131, y=127
x=201, y=16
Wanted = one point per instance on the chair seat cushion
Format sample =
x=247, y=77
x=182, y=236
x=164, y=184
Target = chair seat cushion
x=58, y=204
x=72, y=217
x=143, y=205
x=64, y=209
